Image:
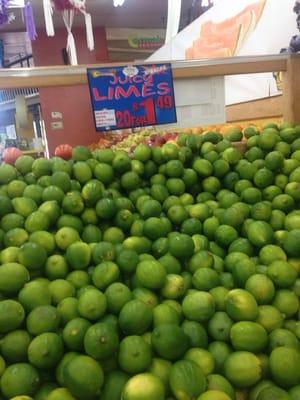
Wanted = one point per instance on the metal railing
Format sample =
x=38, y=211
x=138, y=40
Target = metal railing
x=10, y=94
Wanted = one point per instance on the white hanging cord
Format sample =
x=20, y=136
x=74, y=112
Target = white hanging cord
x=68, y=17
x=174, y=11
x=48, y=12
x=89, y=31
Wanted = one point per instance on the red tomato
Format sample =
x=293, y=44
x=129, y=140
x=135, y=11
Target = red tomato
x=11, y=154
x=64, y=151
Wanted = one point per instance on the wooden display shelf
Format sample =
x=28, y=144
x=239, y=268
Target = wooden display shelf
x=33, y=151
x=288, y=105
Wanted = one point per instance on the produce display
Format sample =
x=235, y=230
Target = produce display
x=171, y=273
x=128, y=142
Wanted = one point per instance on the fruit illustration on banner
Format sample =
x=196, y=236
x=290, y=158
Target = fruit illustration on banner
x=225, y=39
x=68, y=8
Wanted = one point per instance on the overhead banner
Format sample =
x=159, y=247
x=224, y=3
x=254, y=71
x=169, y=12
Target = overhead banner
x=237, y=28
x=132, y=96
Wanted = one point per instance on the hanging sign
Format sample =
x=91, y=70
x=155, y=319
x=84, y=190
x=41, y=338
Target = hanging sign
x=132, y=96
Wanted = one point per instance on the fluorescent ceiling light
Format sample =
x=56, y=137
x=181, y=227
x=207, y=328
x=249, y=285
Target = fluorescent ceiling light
x=118, y=2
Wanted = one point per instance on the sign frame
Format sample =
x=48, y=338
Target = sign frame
x=132, y=96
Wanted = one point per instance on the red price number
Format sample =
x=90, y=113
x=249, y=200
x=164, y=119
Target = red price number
x=165, y=102
x=126, y=120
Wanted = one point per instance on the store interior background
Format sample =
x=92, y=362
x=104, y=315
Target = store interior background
x=113, y=28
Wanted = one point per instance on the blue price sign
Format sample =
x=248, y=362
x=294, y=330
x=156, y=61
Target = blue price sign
x=132, y=96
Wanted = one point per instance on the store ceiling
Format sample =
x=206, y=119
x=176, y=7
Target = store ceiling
x=133, y=14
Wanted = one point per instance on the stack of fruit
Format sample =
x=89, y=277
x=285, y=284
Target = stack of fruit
x=128, y=142
x=171, y=274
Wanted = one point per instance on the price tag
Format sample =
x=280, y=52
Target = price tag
x=132, y=96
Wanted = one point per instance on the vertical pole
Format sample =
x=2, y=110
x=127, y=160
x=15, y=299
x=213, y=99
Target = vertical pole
x=291, y=90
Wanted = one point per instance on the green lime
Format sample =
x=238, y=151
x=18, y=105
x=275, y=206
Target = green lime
x=291, y=243
x=13, y=277
x=274, y=160
x=83, y=377
x=283, y=366
x=62, y=180
x=100, y=341
x=214, y=395
x=45, y=350
x=53, y=193
x=165, y=314
x=42, y=319
x=32, y=256
x=7, y=173
x=225, y=235
x=91, y=234
x=286, y=302
x=12, y=315
x=241, y=305
x=11, y=221
x=78, y=255
x=273, y=392
x=260, y=233
x=242, y=270
x=113, y=235
x=34, y=294
x=135, y=317
x=151, y=274
x=37, y=221
x=14, y=346
x=282, y=273
x=44, y=239
x=60, y=289
x=242, y=369
x=143, y=386
x=121, y=162
x=105, y=208
x=198, y=306
x=105, y=155
x=67, y=309
x=146, y=296
x=295, y=392
x=187, y=379
x=20, y=379
x=103, y=251
x=59, y=394
x=65, y=236
x=220, y=351
x=74, y=333
x=219, y=383
x=92, y=304
x=261, y=287
x=281, y=337
x=24, y=164
x=205, y=279
x=169, y=341
x=79, y=279
x=249, y=336
x=134, y=354
x=104, y=274
x=196, y=332
x=56, y=267
x=181, y=246
x=174, y=287
x=202, y=358
x=231, y=155
x=219, y=294
x=219, y=326
x=117, y=295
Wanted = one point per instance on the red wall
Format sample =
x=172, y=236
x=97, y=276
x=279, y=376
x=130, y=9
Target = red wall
x=73, y=102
